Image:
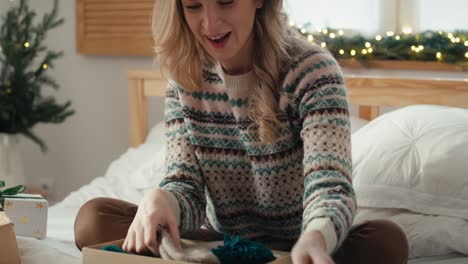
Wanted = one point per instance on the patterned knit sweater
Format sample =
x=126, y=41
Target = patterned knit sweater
x=222, y=177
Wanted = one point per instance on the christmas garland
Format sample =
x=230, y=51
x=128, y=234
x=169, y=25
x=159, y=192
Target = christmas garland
x=436, y=46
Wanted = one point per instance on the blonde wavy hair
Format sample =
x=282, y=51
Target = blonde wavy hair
x=181, y=57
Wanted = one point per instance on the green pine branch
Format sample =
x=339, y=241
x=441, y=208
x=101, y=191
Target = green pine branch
x=451, y=46
x=22, y=105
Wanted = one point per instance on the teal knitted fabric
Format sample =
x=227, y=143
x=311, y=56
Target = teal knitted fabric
x=113, y=248
x=237, y=250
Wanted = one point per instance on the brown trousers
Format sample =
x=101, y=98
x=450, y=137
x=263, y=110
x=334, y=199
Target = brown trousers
x=375, y=242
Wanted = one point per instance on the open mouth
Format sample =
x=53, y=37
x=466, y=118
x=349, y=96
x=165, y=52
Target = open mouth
x=219, y=41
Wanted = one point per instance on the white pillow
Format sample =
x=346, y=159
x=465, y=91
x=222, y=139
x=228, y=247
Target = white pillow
x=414, y=158
x=357, y=123
x=151, y=168
x=157, y=133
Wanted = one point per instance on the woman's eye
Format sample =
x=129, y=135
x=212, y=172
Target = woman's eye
x=193, y=7
x=226, y=2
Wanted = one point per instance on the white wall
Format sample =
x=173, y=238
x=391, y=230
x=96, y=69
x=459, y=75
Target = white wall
x=82, y=147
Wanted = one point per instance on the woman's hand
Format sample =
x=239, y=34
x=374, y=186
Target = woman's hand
x=311, y=249
x=153, y=212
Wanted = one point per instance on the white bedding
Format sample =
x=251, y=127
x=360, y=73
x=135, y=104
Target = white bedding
x=59, y=246
x=144, y=165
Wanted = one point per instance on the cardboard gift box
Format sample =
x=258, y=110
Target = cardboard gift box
x=95, y=255
x=28, y=212
x=9, y=253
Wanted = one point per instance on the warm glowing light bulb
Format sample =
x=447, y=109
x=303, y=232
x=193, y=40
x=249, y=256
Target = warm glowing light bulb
x=390, y=33
x=325, y=31
x=341, y=51
x=310, y=38
x=45, y=66
x=378, y=37
x=450, y=35
x=323, y=44
x=340, y=32
x=397, y=37
x=466, y=43
x=413, y=48
x=466, y=55
x=332, y=35
x=353, y=53
x=364, y=51
x=26, y=44
x=370, y=50
x=368, y=45
x=421, y=47
x=407, y=30
x=439, y=55
x=303, y=30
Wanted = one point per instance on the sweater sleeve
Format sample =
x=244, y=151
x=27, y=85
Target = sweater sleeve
x=321, y=104
x=183, y=178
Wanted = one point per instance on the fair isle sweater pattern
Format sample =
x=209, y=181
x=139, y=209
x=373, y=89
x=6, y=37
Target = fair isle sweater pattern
x=223, y=177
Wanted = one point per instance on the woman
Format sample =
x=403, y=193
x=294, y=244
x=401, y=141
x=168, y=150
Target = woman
x=258, y=142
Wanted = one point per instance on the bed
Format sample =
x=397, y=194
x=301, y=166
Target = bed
x=142, y=161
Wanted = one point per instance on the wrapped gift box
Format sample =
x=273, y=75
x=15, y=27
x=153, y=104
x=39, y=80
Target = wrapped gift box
x=9, y=253
x=28, y=212
x=95, y=255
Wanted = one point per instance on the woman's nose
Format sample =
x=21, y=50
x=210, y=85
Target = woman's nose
x=210, y=19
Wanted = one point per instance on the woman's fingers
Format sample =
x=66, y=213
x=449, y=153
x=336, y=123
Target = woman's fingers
x=301, y=259
x=153, y=212
x=140, y=243
x=175, y=235
x=129, y=244
x=150, y=239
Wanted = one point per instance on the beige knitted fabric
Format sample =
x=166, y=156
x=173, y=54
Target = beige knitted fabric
x=196, y=253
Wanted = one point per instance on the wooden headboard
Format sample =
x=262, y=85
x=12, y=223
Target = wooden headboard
x=369, y=92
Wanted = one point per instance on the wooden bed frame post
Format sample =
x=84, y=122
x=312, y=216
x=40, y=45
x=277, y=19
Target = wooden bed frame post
x=138, y=113
x=368, y=112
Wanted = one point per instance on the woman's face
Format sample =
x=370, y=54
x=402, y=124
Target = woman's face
x=224, y=28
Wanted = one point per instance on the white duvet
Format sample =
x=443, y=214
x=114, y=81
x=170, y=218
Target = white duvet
x=144, y=166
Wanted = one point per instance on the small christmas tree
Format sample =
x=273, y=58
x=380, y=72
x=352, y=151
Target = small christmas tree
x=22, y=105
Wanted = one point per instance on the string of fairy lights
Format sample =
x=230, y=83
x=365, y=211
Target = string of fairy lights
x=439, y=46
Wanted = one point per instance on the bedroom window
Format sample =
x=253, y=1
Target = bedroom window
x=358, y=15
x=453, y=13
x=375, y=16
